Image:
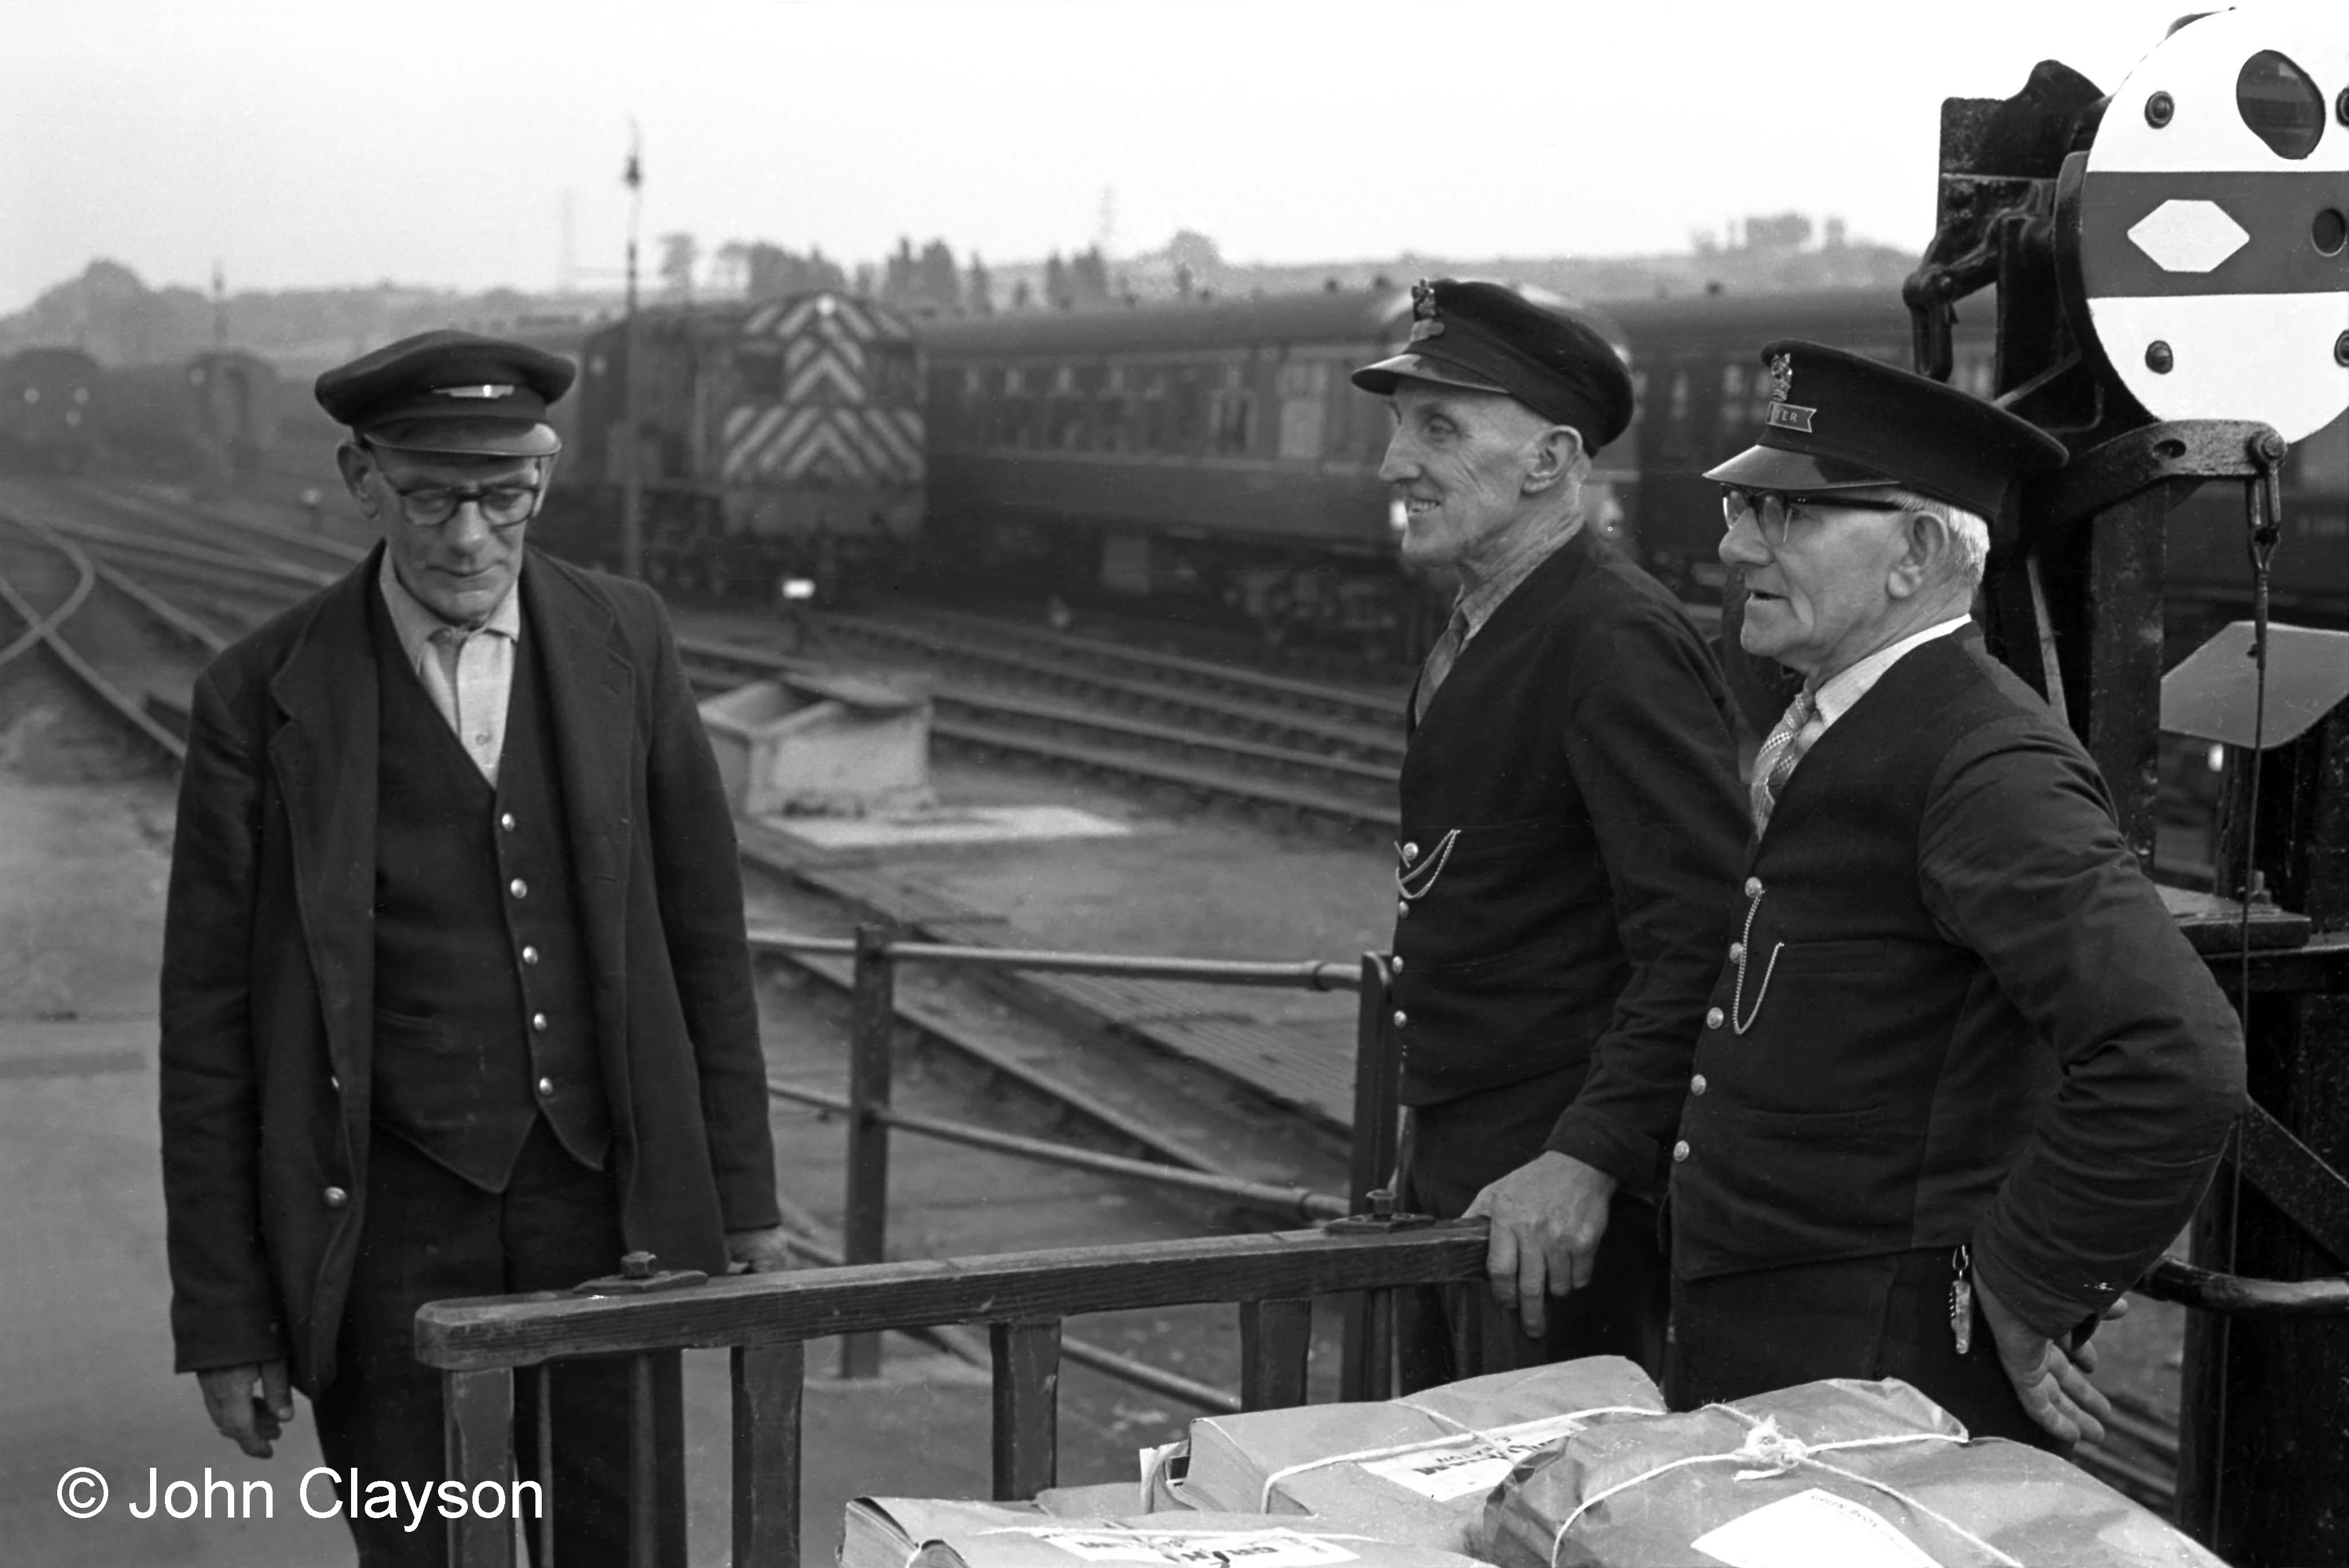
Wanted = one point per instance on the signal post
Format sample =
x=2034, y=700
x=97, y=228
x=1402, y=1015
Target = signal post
x=2173, y=289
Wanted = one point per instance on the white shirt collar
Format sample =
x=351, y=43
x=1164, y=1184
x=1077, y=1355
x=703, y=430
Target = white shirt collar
x=414, y=622
x=1843, y=689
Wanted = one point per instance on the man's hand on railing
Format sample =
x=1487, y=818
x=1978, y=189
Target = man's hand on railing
x=767, y=1252
x=251, y=1423
x=1548, y=1216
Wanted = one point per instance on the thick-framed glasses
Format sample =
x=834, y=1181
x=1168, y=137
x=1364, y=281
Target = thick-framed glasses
x=1774, y=511
x=503, y=505
x=506, y=505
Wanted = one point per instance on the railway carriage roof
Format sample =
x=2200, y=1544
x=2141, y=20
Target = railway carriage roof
x=1723, y=323
x=1351, y=317
x=1750, y=320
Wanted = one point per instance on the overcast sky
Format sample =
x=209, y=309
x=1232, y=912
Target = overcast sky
x=439, y=141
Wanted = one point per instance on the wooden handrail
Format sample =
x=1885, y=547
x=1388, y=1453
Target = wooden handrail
x=769, y=1309
x=765, y=1320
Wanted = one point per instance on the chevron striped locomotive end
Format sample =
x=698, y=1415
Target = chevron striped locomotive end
x=781, y=439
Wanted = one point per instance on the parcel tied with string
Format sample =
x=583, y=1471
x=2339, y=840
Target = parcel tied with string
x=1410, y=1470
x=1865, y=1475
x=933, y=1533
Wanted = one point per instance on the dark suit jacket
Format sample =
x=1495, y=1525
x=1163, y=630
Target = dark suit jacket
x=268, y=958
x=1572, y=829
x=1959, y=1014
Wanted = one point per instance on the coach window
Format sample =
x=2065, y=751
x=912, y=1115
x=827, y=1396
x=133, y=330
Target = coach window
x=1231, y=414
x=1112, y=431
x=1186, y=401
x=1064, y=428
x=1304, y=393
x=1151, y=425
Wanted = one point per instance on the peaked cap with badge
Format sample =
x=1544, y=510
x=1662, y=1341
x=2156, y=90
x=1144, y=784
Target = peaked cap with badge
x=1844, y=422
x=450, y=393
x=1488, y=338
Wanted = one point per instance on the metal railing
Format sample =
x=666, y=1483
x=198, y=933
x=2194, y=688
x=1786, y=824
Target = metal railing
x=765, y=1321
x=871, y=1117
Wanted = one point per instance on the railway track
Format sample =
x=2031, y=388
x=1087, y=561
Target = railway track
x=1352, y=793
x=46, y=582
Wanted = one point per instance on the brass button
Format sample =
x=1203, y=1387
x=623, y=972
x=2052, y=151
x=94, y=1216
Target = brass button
x=518, y=887
x=1403, y=909
x=506, y=821
x=1696, y=1085
x=1409, y=852
x=1402, y=1018
x=546, y=1086
x=1679, y=1151
x=1753, y=886
x=529, y=955
x=334, y=1082
x=1398, y=963
x=335, y=1196
x=1737, y=952
x=1713, y=1017
x=538, y=1022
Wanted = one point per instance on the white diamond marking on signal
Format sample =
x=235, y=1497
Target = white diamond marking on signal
x=2189, y=236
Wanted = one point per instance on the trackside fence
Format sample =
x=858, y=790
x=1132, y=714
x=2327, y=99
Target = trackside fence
x=870, y=1118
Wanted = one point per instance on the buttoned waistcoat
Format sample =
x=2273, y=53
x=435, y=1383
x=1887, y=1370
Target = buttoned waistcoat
x=268, y=983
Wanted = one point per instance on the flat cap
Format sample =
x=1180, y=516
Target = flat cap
x=1489, y=338
x=1843, y=422
x=450, y=392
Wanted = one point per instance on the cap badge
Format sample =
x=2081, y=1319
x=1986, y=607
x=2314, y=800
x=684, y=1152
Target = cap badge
x=481, y=391
x=1784, y=415
x=1424, y=321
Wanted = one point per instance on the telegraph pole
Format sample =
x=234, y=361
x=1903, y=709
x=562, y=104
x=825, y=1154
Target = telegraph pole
x=631, y=445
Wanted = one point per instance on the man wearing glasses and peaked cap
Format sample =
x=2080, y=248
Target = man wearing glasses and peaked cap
x=1570, y=835
x=456, y=997
x=1961, y=1079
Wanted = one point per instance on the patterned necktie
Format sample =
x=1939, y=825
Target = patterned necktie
x=1773, y=764
x=1440, y=661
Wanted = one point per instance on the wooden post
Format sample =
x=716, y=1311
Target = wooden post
x=1367, y=1321
x=1378, y=1073
x=1027, y=1406
x=2260, y=1417
x=1276, y=1350
x=770, y=1381
x=2126, y=561
x=865, y=1236
x=478, y=1427
x=644, y=1466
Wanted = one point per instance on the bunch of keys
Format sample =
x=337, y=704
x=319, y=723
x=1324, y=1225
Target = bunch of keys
x=1961, y=1300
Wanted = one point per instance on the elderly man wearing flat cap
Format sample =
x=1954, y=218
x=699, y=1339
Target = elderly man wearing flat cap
x=456, y=998
x=1960, y=1080
x=1571, y=827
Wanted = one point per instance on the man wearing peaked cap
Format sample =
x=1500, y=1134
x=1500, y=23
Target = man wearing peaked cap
x=1570, y=827
x=453, y=392
x=456, y=994
x=1961, y=1080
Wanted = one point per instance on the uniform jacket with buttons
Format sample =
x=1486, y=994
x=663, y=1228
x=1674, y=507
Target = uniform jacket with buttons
x=267, y=983
x=1572, y=827
x=1958, y=1012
